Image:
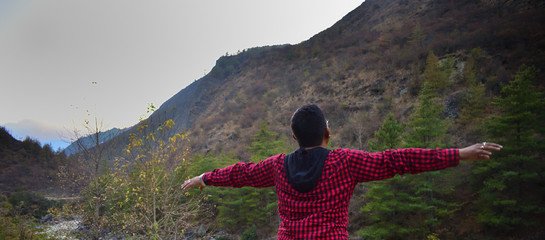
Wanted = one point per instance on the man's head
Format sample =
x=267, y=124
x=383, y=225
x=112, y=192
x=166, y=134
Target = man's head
x=309, y=126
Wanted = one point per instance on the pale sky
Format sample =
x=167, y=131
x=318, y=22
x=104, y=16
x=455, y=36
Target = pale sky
x=60, y=59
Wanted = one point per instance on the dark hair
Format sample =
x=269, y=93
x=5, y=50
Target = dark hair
x=308, y=125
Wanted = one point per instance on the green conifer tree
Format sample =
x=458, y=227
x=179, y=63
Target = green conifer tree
x=473, y=107
x=435, y=76
x=388, y=203
x=426, y=129
x=512, y=196
x=388, y=136
x=247, y=206
x=265, y=144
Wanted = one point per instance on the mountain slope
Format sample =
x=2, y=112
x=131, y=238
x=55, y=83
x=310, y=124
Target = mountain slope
x=26, y=165
x=367, y=64
x=87, y=142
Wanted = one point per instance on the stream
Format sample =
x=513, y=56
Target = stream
x=62, y=229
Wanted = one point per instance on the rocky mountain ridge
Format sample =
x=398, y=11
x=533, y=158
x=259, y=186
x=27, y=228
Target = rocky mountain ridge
x=367, y=64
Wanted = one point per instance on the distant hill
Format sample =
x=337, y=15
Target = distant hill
x=89, y=141
x=26, y=165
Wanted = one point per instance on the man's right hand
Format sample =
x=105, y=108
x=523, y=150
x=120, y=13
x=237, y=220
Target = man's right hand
x=194, y=182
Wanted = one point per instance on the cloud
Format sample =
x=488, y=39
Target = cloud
x=34, y=130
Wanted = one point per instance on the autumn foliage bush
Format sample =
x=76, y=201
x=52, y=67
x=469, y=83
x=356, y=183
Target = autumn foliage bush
x=141, y=195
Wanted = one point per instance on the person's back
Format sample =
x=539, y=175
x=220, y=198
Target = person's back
x=321, y=213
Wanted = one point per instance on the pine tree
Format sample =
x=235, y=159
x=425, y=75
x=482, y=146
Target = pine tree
x=389, y=205
x=248, y=206
x=473, y=107
x=471, y=115
x=426, y=129
x=265, y=144
x=511, y=191
x=388, y=136
x=434, y=76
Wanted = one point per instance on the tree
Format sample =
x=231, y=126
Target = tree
x=265, y=143
x=511, y=193
x=473, y=106
x=241, y=208
x=417, y=37
x=146, y=189
x=360, y=123
x=472, y=110
x=388, y=136
x=140, y=194
x=426, y=129
x=389, y=204
x=435, y=76
x=85, y=174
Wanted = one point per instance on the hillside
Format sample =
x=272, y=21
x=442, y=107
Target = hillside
x=26, y=165
x=368, y=63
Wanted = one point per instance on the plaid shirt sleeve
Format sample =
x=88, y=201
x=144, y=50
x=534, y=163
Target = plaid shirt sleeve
x=376, y=166
x=243, y=174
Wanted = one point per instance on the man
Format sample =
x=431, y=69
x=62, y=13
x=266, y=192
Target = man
x=314, y=185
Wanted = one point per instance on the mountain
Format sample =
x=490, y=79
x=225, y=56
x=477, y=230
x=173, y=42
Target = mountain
x=89, y=141
x=367, y=63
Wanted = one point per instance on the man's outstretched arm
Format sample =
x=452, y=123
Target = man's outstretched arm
x=381, y=165
x=237, y=175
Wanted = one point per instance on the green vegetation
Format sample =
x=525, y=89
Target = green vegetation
x=242, y=208
x=388, y=136
x=511, y=193
x=249, y=234
x=473, y=106
x=388, y=203
x=140, y=194
x=19, y=215
x=412, y=206
x=435, y=75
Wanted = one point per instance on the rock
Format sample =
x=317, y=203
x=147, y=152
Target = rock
x=201, y=231
x=452, y=105
x=190, y=235
x=46, y=219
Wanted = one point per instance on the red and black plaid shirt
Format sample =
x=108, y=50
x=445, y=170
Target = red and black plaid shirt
x=322, y=213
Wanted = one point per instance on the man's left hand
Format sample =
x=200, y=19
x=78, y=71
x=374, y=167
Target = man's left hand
x=479, y=151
